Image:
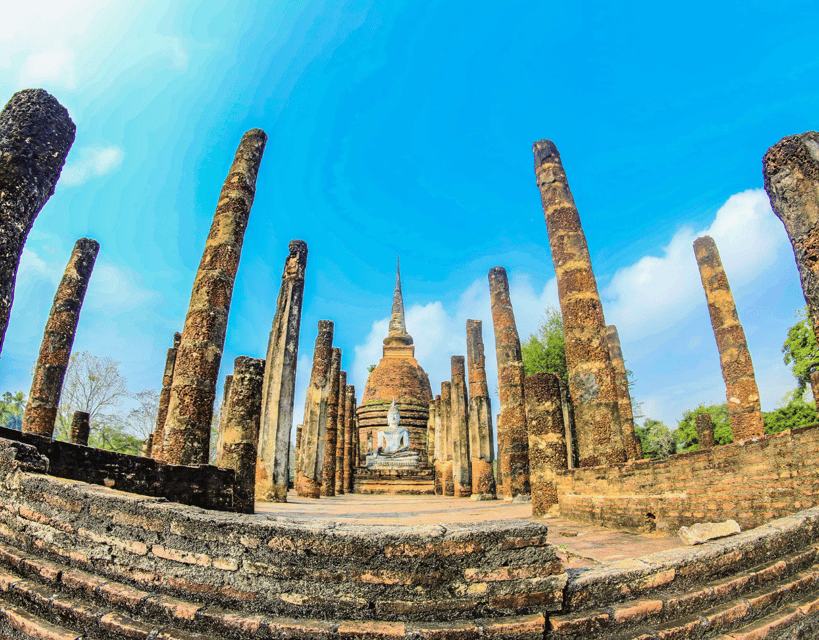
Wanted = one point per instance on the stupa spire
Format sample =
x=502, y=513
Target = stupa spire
x=398, y=327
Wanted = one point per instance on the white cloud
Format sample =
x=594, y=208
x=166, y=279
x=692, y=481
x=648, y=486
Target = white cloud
x=656, y=293
x=92, y=163
x=54, y=67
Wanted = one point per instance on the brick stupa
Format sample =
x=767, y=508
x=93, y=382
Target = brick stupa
x=403, y=467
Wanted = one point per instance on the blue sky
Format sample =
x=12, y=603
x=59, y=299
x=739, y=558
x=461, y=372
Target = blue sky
x=406, y=128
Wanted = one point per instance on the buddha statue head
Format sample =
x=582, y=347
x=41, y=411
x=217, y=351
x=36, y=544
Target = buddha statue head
x=393, y=417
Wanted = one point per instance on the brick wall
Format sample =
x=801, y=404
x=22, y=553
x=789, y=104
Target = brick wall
x=750, y=482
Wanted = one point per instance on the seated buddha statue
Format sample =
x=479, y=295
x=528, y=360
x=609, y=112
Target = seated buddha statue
x=393, y=443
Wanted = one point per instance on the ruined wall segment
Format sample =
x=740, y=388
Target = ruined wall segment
x=80, y=428
x=547, y=439
x=187, y=428
x=280, y=378
x=312, y=449
x=481, y=440
x=513, y=443
x=591, y=376
x=35, y=137
x=791, y=172
x=239, y=444
x=157, y=449
x=58, y=339
x=744, y=409
x=461, y=470
x=633, y=449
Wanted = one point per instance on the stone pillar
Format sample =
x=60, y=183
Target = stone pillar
x=187, y=428
x=341, y=423
x=447, y=479
x=241, y=436
x=164, y=399
x=223, y=413
x=356, y=439
x=328, y=483
x=311, y=452
x=623, y=394
x=744, y=409
x=145, y=452
x=547, y=439
x=298, y=444
x=791, y=172
x=80, y=428
x=568, y=425
x=481, y=442
x=58, y=338
x=591, y=376
x=438, y=445
x=349, y=440
x=705, y=430
x=513, y=442
x=35, y=136
x=280, y=379
x=431, y=433
x=461, y=469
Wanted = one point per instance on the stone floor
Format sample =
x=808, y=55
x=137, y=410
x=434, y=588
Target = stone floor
x=580, y=544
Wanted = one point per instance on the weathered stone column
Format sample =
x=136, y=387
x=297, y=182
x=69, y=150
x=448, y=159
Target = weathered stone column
x=311, y=452
x=448, y=480
x=280, y=379
x=35, y=136
x=438, y=446
x=461, y=469
x=791, y=172
x=341, y=423
x=242, y=429
x=356, y=439
x=481, y=442
x=744, y=409
x=145, y=452
x=568, y=425
x=591, y=376
x=623, y=394
x=513, y=442
x=58, y=338
x=547, y=439
x=328, y=483
x=223, y=413
x=298, y=444
x=705, y=430
x=187, y=428
x=349, y=440
x=164, y=399
x=80, y=428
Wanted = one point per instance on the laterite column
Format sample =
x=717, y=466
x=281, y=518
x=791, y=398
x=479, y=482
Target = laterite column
x=280, y=379
x=58, y=338
x=80, y=428
x=164, y=400
x=328, y=484
x=744, y=407
x=187, y=428
x=349, y=441
x=460, y=431
x=481, y=442
x=633, y=452
x=513, y=442
x=447, y=478
x=311, y=451
x=591, y=375
x=341, y=422
x=705, y=430
x=223, y=413
x=242, y=429
x=547, y=440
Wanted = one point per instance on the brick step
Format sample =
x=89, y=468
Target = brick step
x=16, y=622
x=797, y=620
x=92, y=607
x=718, y=605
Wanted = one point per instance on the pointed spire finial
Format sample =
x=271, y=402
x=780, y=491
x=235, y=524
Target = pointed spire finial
x=398, y=328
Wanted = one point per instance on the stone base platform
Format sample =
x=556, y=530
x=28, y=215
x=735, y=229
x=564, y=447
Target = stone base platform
x=399, y=481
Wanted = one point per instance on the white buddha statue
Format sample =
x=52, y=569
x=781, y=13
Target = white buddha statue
x=393, y=444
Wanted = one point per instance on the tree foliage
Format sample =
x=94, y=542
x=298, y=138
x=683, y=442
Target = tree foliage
x=546, y=350
x=12, y=406
x=656, y=438
x=801, y=350
x=797, y=413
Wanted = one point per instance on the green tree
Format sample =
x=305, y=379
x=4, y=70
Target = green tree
x=797, y=413
x=656, y=439
x=546, y=350
x=12, y=406
x=801, y=351
x=686, y=432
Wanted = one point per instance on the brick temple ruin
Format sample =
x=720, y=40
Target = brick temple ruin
x=162, y=546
